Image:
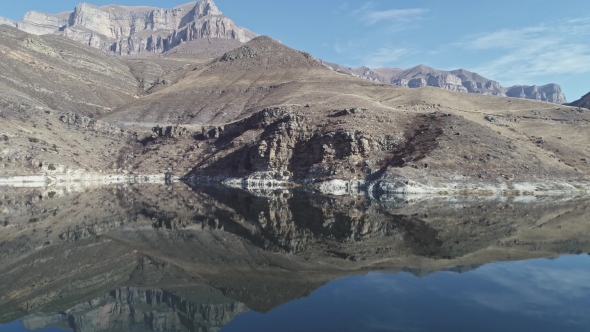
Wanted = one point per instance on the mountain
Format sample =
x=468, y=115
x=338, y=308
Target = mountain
x=582, y=102
x=259, y=74
x=456, y=80
x=130, y=30
x=266, y=112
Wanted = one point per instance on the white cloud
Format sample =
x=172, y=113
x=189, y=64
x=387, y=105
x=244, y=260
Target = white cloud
x=396, y=15
x=385, y=56
x=394, y=19
x=556, y=48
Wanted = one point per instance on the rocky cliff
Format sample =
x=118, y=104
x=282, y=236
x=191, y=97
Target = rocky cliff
x=456, y=80
x=131, y=30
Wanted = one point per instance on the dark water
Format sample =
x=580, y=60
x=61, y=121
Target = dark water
x=151, y=258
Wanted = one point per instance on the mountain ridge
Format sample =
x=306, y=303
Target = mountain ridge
x=131, y=30
x=456, y=80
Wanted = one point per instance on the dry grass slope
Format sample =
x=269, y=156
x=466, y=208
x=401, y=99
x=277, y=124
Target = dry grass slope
x=60, y=74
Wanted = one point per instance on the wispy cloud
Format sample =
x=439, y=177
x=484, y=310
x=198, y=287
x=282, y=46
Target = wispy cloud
x=555, y=48
x=394, y=19
x=383, y=56
x=386, y=56
x=376, y=48
x=396, y=15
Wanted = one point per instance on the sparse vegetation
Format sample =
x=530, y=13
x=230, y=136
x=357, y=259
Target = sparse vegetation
x=51, y=167
x=33, y=220
x=51, y=194
x=33, y=140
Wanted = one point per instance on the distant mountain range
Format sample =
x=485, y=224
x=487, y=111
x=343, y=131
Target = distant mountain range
x=456, y=80
x=130, y=30
x=200, y=27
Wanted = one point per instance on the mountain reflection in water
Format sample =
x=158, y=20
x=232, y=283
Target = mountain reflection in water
x=175, y=258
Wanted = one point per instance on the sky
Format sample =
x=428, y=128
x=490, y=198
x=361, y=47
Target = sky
x=513, y=42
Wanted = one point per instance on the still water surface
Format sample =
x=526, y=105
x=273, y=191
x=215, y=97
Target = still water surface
x=211, y=259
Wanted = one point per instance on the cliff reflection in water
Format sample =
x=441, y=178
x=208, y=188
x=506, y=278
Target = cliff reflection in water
x=176, y=258
x=135, y=309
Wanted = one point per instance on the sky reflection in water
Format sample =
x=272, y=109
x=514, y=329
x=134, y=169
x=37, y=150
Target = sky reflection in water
x=539, y=295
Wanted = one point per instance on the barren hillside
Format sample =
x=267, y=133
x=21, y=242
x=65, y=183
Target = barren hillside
x=582, y=102
x=266, y=111
x=57, y=73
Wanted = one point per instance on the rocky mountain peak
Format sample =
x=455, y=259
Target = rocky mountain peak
x=207, y=7
x=129, y=30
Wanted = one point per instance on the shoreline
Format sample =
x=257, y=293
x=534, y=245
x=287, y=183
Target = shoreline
x=336, y=187
x=82, y=179
x=404, y=187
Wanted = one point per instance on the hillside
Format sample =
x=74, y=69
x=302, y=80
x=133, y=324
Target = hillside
x=582, y=102
x=57, y=73
x=265, y=73
x=265, y=111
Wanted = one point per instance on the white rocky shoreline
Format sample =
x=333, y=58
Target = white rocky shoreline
x=82, y=179
x=336, y=187
x=340, y=187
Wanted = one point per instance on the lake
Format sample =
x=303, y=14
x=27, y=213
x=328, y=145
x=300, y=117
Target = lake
x=208, y=258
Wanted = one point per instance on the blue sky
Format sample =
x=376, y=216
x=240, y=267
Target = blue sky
x=513, y=42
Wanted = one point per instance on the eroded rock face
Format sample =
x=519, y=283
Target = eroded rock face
x=292, y=147
x=549, y=92
x=131, y=30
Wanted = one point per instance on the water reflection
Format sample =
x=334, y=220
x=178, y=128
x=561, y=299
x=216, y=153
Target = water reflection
x=175, y=258
x=539, y=295
x=134, y=309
